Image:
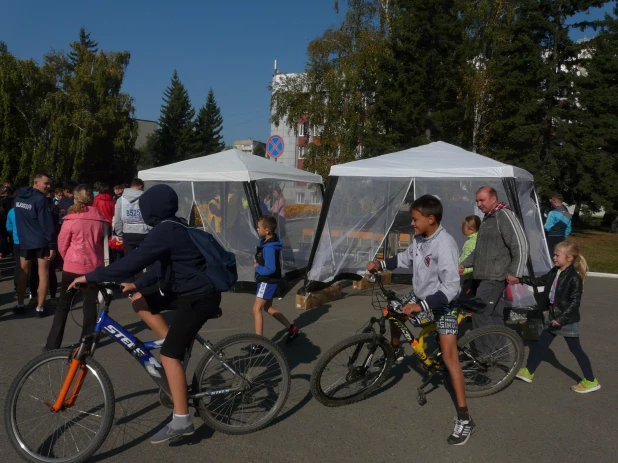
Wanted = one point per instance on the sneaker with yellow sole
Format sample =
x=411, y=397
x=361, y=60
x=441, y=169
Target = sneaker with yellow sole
x=525, y=375
x=586, y=386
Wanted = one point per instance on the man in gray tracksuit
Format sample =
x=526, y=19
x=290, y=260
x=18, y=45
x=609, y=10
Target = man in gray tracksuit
x=128, y=222
x=499, y=258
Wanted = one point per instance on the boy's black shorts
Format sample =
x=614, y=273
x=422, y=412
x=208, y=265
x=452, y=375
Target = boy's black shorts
x=39, y=253
x=191, y=314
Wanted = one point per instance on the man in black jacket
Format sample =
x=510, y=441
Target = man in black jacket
x=179, y=267
x=37, y=238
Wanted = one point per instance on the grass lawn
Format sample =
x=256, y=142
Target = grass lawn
x=599, y=248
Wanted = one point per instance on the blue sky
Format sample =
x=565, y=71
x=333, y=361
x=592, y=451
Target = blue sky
x=229, y=46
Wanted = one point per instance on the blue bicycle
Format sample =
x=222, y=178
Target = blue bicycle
x=60, y=407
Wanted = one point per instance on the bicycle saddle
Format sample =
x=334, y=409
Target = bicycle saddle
x=472, y=305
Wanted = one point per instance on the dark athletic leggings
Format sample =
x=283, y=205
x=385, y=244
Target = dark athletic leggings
x=536, y=356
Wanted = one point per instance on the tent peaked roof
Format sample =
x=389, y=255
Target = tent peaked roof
x=436, y=159
x=231, y=166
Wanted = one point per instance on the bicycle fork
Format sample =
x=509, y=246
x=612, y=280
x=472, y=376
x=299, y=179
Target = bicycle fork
x=77, y=364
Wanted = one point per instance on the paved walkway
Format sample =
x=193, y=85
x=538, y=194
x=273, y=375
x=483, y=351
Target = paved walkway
x=541, y=422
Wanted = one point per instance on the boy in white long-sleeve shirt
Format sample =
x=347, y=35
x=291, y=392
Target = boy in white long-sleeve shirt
x=433, y=258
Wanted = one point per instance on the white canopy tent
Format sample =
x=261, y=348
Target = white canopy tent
x=366, y=207
x=251, y=186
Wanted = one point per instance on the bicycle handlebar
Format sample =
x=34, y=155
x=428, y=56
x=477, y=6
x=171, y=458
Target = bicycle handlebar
x=101, y=286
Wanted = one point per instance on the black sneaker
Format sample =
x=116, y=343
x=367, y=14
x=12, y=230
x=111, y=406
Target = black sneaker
x=462, y=432
x=292, y=334
x=20, y=309
x=253, y=349
x=42, y=313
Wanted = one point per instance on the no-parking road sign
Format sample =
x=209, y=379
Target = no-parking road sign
x=274, y=146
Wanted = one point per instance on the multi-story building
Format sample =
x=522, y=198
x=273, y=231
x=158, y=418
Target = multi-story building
x=251, y=146
x=295, y=141
x=144, y=129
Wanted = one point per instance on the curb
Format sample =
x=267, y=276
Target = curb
x=603, y=275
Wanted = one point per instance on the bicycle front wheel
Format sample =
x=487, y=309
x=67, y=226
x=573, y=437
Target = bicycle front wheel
x=265, y=384
x=351, y=370
x=71, y=435
x=490, y=358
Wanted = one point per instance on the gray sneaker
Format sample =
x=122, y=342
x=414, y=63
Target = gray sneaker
x=167, y=433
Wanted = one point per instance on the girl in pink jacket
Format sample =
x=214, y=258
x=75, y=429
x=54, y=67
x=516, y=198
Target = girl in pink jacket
x=80, y=243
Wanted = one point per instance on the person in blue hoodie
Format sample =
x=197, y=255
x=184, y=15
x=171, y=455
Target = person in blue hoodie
x=267, y=266
x=176, y=269
x=37, y=238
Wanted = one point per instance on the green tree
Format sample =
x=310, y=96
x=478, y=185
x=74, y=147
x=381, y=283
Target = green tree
x=332, y=96
x=417, y=96
x=175, y=132
x=260, y=150
x=24, y=134
x=208, y=126
x=594, y=134
x=84, y=45
x=3, y=47
x=92, y=124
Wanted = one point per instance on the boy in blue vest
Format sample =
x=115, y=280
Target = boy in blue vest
x=267, y=266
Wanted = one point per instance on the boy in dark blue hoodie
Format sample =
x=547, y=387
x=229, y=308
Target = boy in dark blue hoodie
x=267, y=266
x=37, y=238
x=178, y=266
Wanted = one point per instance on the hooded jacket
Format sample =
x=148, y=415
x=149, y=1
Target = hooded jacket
x=268, y=258
x=33, y=218
x=105, y=204
x=433, y=260
x=81, y=241
x=178, y=264
x=128, y=216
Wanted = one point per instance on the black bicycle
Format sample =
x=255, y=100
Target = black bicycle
x=60, y=406
x=355, y=367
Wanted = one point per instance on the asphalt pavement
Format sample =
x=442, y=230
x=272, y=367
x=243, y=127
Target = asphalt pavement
x=542, y=422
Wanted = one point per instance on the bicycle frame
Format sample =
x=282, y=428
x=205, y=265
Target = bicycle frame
x=418, y=344
x=142, y=353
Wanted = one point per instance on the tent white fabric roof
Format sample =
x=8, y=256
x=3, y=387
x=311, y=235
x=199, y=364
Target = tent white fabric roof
x=436, y=159
x=232, y=166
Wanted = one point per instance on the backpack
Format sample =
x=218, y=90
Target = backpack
x=220, y=271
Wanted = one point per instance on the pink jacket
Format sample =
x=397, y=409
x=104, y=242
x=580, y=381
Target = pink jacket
x=80, y=242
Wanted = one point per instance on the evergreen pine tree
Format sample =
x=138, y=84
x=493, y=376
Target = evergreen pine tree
x=595, y=132
x=85, y=45
x=417, y=94
x=3, y=47
x=175, y=132
x=208, y=127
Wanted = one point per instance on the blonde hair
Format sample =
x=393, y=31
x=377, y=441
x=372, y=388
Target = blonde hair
x=579, y=263
x=82, y=197
x=473, y=222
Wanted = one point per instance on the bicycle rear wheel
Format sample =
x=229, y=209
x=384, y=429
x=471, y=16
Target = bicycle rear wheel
x=71, y=435
x=253, y=408
x=351, y=370
x=490, y=358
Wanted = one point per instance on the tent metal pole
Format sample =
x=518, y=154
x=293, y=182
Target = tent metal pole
x=253, y=200
x=327, y=198
x=511, y=192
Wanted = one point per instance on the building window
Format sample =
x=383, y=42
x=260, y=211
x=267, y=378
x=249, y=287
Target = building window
x=302, y=130
x=315, y=197
x=302, y=152
x=300, y=198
